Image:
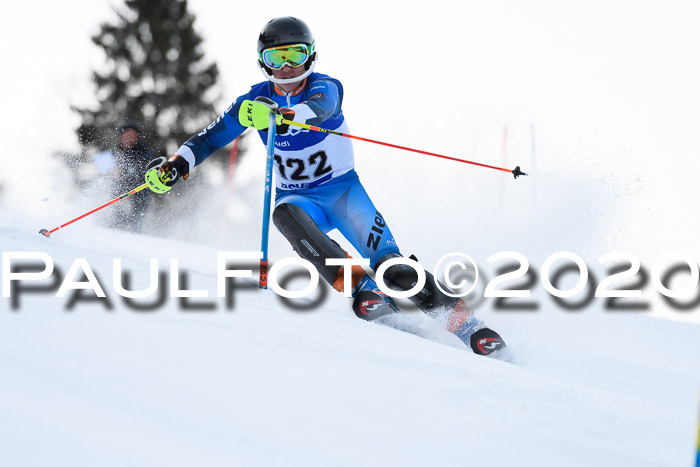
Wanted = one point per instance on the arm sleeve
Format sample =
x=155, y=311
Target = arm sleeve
x=216, y=135
x=323, y=104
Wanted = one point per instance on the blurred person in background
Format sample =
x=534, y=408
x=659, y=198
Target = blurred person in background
x=123, y=167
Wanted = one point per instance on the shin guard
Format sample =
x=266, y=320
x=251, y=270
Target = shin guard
x=430, y=299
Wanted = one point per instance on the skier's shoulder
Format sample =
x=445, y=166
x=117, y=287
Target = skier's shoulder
x=256, y=90
x=262, y=88
x=318, y=82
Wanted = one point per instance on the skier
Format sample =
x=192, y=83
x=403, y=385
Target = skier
x=317, y=187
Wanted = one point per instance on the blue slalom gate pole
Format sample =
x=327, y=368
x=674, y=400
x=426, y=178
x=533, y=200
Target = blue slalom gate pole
x=697, y=455
x=268, y=197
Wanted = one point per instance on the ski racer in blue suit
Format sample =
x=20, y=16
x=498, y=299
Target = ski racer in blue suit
x=318, y=189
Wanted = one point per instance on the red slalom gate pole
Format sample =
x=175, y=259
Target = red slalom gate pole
x=46, y=232
x=516, y=172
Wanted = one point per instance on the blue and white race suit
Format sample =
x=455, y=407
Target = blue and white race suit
x=313, y=170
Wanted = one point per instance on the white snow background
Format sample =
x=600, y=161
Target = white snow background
x=609, y=90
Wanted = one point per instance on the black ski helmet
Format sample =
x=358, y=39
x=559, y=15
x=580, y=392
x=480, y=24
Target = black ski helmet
x=286, y=30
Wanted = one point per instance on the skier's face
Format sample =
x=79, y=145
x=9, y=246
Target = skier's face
x=287, y=72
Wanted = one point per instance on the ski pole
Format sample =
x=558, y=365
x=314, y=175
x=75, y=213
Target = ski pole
x=46, y=232
x=268, y=199
x=516, y=172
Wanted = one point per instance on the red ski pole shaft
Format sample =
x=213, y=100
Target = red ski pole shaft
x=516, y=172
x=46, y=233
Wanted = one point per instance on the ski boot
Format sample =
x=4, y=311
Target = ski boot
x=370, y=302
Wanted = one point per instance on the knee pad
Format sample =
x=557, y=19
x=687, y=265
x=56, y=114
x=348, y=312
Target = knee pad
x=307, y=239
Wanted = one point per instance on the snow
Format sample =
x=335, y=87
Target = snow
x=263, y=384
x=597, y=109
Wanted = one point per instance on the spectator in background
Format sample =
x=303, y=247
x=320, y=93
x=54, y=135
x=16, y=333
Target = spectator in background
x=124, y=167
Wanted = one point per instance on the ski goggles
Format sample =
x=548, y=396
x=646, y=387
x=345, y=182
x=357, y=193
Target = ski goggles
x=294, y=55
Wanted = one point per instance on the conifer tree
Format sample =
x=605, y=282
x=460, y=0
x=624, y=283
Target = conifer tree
x=155, y=72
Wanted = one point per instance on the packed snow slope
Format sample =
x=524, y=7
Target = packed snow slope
x=600, y=113
x=264, y=384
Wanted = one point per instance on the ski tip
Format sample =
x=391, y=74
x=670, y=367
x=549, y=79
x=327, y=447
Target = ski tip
x=45, y=233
